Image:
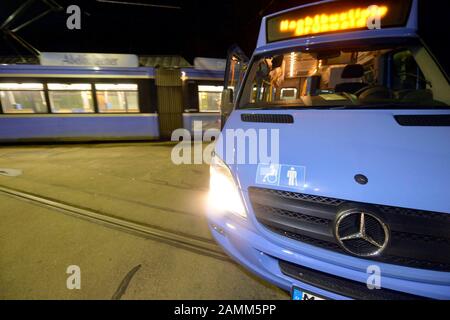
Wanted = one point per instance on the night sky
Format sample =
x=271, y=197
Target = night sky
x=200, y=28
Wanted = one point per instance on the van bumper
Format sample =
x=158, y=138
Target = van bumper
x=262, y=253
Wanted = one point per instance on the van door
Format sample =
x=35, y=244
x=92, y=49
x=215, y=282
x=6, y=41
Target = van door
x=237, y=64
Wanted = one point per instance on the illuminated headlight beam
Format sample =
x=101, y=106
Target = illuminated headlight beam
x=224, y=195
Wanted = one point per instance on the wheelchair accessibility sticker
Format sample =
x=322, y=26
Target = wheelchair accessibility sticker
x=288, y=176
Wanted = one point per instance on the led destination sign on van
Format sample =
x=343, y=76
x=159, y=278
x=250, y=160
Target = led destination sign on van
x=339, y=16
x=322, y=23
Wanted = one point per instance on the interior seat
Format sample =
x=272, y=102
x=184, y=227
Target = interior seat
x=351, y=71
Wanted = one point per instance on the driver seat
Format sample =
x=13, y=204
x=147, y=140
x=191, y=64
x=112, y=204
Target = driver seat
x=351, y=71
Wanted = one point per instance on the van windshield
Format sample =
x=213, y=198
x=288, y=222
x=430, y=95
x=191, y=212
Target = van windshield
x=376, y=78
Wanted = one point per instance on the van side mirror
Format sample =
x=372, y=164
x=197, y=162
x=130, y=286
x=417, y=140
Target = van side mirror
x=227, y=105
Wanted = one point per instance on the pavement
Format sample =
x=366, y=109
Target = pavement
x=136, y=182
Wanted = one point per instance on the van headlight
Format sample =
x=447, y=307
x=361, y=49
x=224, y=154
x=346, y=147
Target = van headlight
x=224, y=194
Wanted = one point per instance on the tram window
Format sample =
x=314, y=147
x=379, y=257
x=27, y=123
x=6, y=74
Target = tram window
x=20, y=98
x=71, y=98
x=117, y=98
x=210, y=98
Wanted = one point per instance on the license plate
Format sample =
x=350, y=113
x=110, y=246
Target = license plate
x=302, y=295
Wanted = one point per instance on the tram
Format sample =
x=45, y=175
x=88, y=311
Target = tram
x=86, y=97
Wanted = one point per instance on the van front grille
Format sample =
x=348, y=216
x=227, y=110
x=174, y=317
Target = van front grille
x=418, y=239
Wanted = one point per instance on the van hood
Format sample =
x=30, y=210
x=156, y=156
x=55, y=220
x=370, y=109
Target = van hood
x=406, y=165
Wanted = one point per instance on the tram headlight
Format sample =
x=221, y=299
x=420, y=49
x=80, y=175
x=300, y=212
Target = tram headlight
x=224, y=193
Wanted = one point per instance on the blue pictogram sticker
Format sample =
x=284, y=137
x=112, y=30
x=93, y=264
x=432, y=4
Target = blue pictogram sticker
x=268, y=174
x=293, y=177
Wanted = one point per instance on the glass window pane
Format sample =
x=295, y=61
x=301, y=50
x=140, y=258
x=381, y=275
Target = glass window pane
x=21, y=86
x=111, y=101
x=116, y=87
x=117, y=98
x=71, y=98
x=69, y=87
x=71, y=101
x=23, y=101
x=350, y=77
x=218, y=89
x=133, y=101
x=406, y=73
x=210, y=98
x=236, y=73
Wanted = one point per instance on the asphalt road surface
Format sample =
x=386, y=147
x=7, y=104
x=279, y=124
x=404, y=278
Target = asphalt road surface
x=50, y=228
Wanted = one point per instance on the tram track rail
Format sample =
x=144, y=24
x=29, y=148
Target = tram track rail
x=195, y=244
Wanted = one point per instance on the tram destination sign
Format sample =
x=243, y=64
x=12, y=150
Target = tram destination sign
x=63, y=59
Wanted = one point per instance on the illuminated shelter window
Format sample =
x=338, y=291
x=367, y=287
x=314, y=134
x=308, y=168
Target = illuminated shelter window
x=210, y=98
x=71, y=98
x=117, y=98
x=22, y=98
